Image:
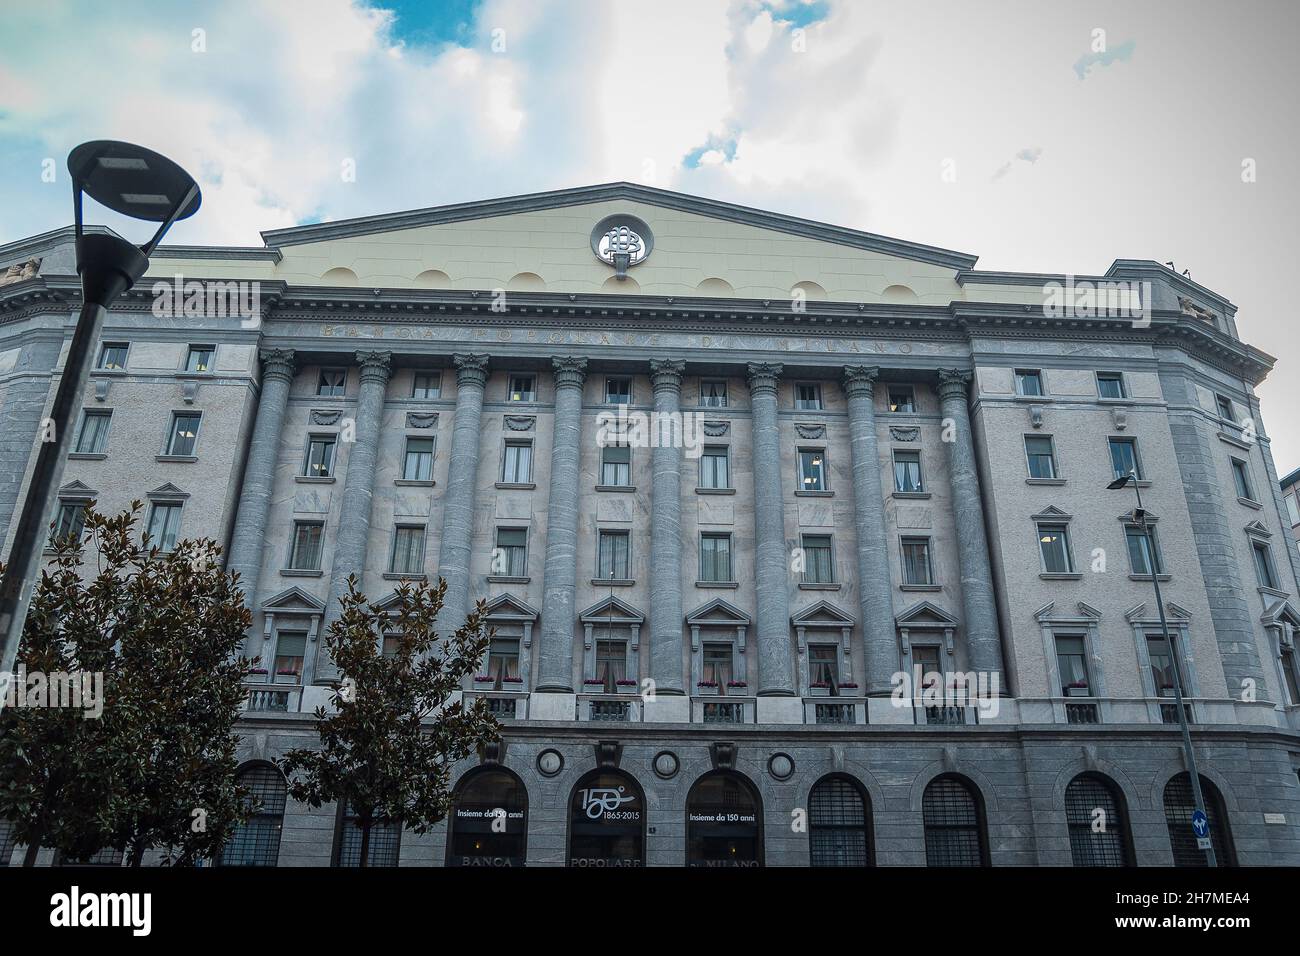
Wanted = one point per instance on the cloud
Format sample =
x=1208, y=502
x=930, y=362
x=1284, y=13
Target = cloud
x=1121, y=53
x=1028, y=155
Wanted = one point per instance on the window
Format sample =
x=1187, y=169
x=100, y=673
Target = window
x=503, y=662
x=306, y=552
x=290, y=648
x=523, y=388
x=385, y=839
x=1264, y=570
x=112, y=355
x=7, y=842
x=1224, y=405
x=1241, y=478
x=1054, y=543
x=199, y=358
x=1041, y=456
x=724, y=821
x=1090, y=844
x=824, y=667
x=713, y=394
x=812, y=469
x=1029, y=382
x=256, y=842
x=1292, y=510
x=612, y=556
x=714, y=467
x=517, y=463
x=611, y=664
x=1162, y=666
x=808, y=397
x=320, y=457
x=616, y=466
x=1288, y=673
x=902, y=398
x=1072, y=663
x=475, y=835
x=907, y=472
x=1110, y=385
x=916, y=562
x=1142, y=557
x=715, y=558
x=164, y=523
x=1179, y=806
x=717, y=666
x=1124, y=457
x=408, y=549
x=183, y=435
x=390, y=646
x=419, y=460
x=71, y=521
x=839, y=832
x=512, y=552
x=818, y=565
x=332, y=382
x=954, y=828
x=426, y=385
x=618, y=391
x=93, y=436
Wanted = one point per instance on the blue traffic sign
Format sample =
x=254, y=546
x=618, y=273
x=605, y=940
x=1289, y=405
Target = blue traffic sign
x=1200, y=824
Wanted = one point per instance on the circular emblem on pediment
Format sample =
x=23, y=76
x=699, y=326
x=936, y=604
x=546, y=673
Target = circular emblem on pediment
x=622, y=242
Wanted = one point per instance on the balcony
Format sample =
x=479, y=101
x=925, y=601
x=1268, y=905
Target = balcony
x=722, y=710
x=501, y=704
x=834, y=710
x=264, y=698
x=1082, y=713
x=609, y=708
x=1169, y=713
x=947, y=715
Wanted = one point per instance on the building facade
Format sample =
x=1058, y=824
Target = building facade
x=726, y=480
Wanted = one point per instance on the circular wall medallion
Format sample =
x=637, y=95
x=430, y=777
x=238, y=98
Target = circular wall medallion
x=621, y=241
x=666, y=764
x=550, y=762
x=781, y=766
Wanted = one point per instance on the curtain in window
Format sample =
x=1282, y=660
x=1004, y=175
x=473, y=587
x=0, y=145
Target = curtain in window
x=613, y=556
x=408, y=551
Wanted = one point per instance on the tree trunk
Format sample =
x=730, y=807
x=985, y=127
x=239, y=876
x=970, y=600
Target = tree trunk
x=365, y=841
x=43, y=826
x=137, y=852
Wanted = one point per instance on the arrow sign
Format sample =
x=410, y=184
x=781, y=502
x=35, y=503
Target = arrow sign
x=1200, y=824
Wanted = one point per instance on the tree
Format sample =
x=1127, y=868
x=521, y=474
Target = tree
x=156, y=767
x=388, y=747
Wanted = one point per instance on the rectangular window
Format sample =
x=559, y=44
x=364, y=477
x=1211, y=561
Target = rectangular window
x=916, y=562
x=714, y=467
x=1224, y=405
x=199, y=358
x=306, y=553
x=713, y=394
x=611, y=664
x=926, y=656
x=616, y=466
x=612, y=556
x=1142, y=559
x=1124, y=457
x=618, y=391
x=823, y=667
x=426, y=385
x=907, y=472
x=93, y=436
x=1041, y=456
x=715, y=558
x=503, y=663
x=418, y=465
x=1054, y=543
x=523, y=388
x=808, y=397
x=408, y=549
x=113, y=355
x=812, y=469
x=332, y=382
x=71, y=521
x=517, y=463
x=391, y=644
x=818, y=565
x=1264, y=569
x=1162, y=665
x=1289, y=674
x=512, y=552
x=717, y=666
x=1110, y=385
x=164, y=523
x=1292, y=510
x=1029, y=381
x=1072, y=662
x=320, y=457
x=184, y=433
x=1241, y=478
x=902, y=398
x=290, y=649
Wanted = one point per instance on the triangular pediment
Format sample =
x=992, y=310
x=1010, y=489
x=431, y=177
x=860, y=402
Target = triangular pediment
x=76, y=489
x=611, y=609
x=1281, y=611
x=718, y=611
x=1257, y=529
x=168, y=490
x=507, y=607
x=294, y=599
x=1050, y=513
x=1173, y=612
x=925, y=614
x=821, y=614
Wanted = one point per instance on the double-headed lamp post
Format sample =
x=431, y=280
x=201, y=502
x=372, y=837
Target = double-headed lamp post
x=135, y=182
x=1140, y=518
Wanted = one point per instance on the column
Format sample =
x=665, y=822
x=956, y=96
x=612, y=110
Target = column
x=248, y=541
x=771, y=562
x=983, y=639
x=875, y=593
x=462, y=483
x=24, y=403
x=666, y=534
x=560, y=575
x=350, y=543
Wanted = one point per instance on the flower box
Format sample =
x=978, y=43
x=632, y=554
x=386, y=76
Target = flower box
x=1077, y=690
x=819, y=690
x=851, y=688
x=739, y=686
x=512, y=683
x=257, y=672
x=483, y=682
x=707, y=688
x=626, y=687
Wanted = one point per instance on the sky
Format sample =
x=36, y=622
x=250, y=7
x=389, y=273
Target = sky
x=1040, y=136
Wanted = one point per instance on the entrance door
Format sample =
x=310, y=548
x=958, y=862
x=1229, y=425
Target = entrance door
x=724, y=822
x=607, y=821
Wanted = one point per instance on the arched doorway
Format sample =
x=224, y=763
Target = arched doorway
x=839, y=823
x=1179, y=806
x=724, y=821
x=488, y=823
x=1098, y=825
x=607, y=819
x=953, y=817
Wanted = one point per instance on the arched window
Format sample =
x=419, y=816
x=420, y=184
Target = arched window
x=954, y=824
x=839, y=823
x=483, y=797
x=724, y=821
x=257, y=842
x=1179, y=806
x=607, y=820
x=1098, y=825
x=385, y=841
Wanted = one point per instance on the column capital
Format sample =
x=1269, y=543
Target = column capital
x=471, y=369
x=953, y=383
x=277, y=363
x=375, y=366
x=860, y=380
x=666, y=374
x=763, y=377
x=570, y=371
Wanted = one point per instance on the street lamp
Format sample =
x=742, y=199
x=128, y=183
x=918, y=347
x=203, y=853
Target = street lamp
x=134, y=182
x=1140, y=518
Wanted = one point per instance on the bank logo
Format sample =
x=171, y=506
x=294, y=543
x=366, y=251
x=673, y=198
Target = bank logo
x=601, y=800
x=622, y=242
